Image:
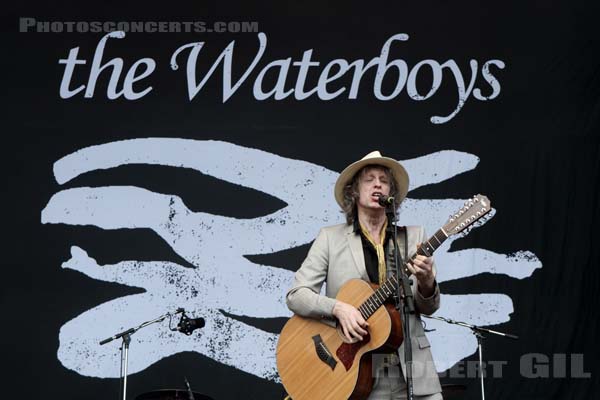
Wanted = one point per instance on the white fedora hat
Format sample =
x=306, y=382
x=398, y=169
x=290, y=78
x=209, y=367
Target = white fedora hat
x=373, y=158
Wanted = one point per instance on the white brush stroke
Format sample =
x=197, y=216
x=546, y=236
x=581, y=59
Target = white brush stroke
x=223, y=278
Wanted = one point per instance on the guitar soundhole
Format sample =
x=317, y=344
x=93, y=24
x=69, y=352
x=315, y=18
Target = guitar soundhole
x=347, y=351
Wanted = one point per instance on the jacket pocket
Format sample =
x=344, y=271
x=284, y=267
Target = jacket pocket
x=423, y=342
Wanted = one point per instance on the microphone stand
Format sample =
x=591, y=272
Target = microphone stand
x=126, y=336
x=405, y=295
x=478, y=332
x=189, y=389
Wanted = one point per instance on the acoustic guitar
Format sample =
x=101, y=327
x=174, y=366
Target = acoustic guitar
x=316, y=362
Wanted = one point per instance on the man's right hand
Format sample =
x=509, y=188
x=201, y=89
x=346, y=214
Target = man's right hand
x=353, y=324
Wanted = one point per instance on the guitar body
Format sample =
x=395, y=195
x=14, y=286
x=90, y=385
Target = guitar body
x=315, y=362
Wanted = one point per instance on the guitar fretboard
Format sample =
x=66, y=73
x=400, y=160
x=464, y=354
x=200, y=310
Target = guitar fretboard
x=390, y=286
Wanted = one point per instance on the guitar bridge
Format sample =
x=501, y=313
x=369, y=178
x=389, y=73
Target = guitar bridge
x=323, y=352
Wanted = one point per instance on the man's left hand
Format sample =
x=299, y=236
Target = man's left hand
x=422, y=268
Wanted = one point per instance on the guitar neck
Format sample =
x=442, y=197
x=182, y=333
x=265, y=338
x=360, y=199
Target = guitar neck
x=390, y=287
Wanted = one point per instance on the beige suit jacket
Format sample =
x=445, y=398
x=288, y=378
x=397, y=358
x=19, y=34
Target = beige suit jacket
x=335, y=257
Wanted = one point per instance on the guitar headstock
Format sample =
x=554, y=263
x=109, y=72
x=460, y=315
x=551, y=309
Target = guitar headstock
x=473, y=210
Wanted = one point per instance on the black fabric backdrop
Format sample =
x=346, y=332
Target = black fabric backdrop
x=538, y=145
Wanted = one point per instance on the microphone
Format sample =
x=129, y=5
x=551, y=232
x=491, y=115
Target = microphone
x=385, y=201
x=188, y=325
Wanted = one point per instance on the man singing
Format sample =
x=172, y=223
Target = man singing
x=360, y=249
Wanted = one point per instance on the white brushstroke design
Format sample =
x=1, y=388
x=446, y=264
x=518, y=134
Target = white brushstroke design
x=223, y=278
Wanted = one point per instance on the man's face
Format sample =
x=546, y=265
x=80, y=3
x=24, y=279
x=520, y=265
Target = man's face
x=372, y=183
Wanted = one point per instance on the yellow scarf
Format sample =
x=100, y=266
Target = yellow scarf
x=379, y=249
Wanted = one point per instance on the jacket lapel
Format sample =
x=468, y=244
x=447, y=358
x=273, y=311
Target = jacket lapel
x=356, y=249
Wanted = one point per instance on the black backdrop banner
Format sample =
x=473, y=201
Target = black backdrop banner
x=186, y=156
